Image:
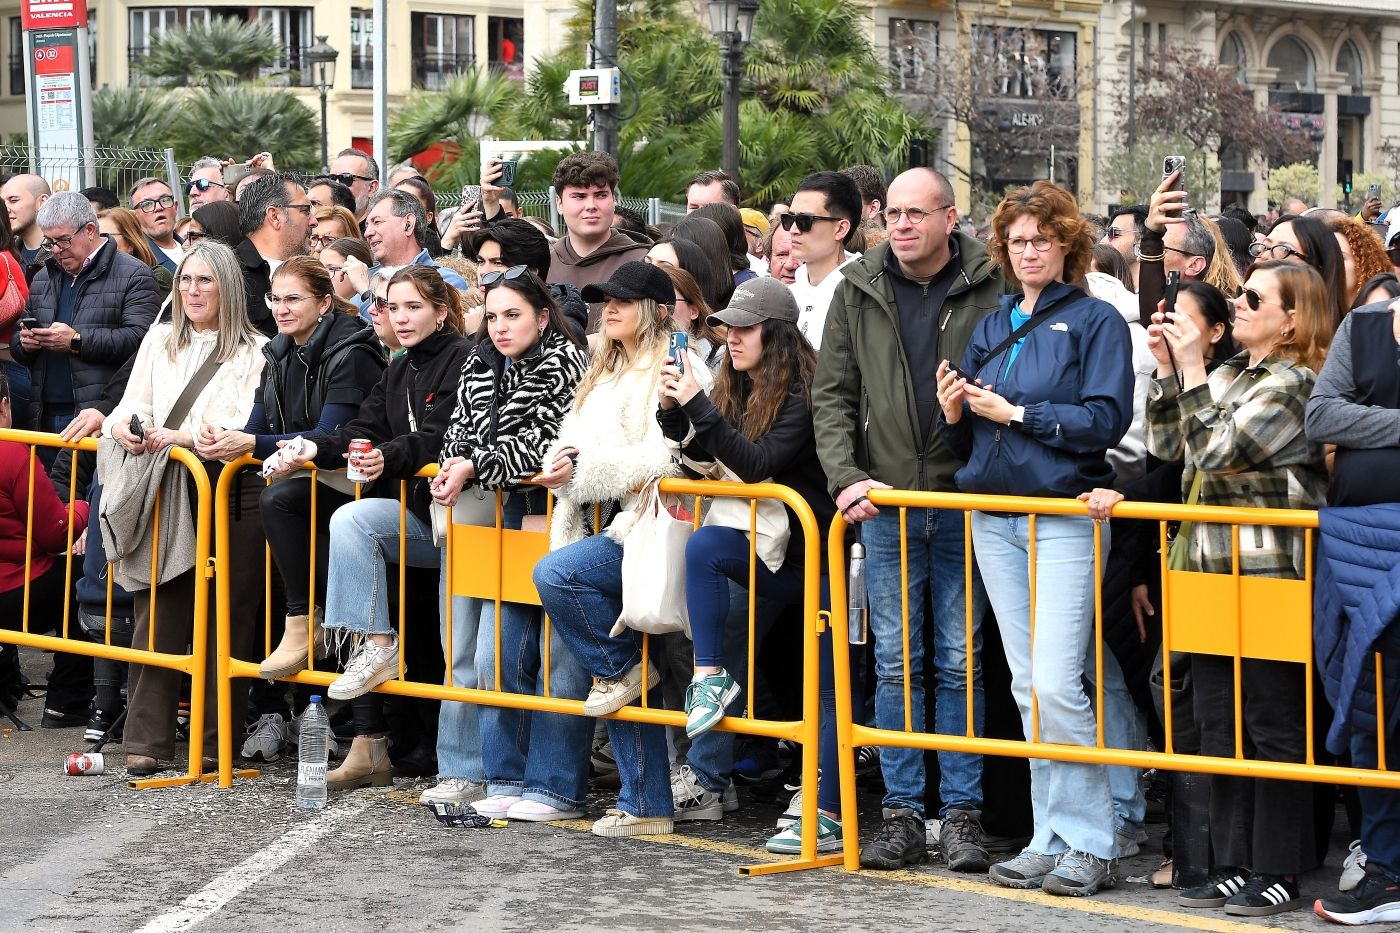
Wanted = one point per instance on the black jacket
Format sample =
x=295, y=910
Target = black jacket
x=117, y=301
x=257, y=282
x=405, y=416
x=787, y=453
x=339, y=341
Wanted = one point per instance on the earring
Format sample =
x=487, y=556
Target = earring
x=442, y=324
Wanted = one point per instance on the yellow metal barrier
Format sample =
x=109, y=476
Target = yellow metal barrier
x=1232, y=615
x=191, y=664
x=495, y=563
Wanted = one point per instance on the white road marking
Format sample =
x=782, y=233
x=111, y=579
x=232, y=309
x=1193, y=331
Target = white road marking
x=211, y=898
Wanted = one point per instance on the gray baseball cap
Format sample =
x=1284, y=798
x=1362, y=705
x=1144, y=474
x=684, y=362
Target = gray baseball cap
x=757, y=300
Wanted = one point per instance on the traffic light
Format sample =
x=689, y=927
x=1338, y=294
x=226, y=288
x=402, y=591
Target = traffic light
x=1344, y=174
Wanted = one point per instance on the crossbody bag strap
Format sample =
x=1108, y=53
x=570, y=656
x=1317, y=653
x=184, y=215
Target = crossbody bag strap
x=196, y=385
x=1039, y=317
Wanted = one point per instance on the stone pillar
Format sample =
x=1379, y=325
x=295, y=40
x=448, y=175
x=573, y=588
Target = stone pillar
x=1259, y=80
x=1328, y=84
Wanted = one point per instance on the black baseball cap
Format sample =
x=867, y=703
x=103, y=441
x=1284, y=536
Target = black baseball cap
x=755, y=301
x=633, y=280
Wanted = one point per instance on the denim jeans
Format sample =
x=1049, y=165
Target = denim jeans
x=1071, y=802
x=1122, y=728
x=21, y=391
x=1380, y=808
x=53, y=420
x=936, y=567
x=364, y=540
x=581, y=588
x=539, y=756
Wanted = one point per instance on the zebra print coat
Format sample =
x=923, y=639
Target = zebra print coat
x=507, y=416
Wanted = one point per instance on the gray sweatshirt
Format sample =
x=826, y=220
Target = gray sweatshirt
x=1332, y=417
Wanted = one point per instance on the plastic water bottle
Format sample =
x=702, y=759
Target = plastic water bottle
x=311, y=757
x=856, y=601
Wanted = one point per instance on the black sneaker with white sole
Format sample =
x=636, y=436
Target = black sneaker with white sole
x=98, y=725
x=1224, y=884
x=1264, y=895
x=1375, y=899
x=901, y=840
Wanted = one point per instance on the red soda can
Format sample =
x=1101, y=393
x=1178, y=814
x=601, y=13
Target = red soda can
x=85, y=763
x=353, y=472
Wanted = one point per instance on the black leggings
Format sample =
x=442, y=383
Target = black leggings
x=286, y=515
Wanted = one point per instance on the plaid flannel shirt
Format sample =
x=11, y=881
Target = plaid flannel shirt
x=1251, y=451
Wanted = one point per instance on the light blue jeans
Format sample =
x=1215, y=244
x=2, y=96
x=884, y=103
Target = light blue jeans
x=1122, y=728
x=1072, y=803
x=364, y=540
x=936, y=568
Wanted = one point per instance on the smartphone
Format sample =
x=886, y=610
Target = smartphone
x=1374, y=191
x=1169, y=307
x=680, y=343
x=508, y=167
x=1171, y=164
x=137, y=429
x=233, y=174
x=29, y=322
x=471, y=197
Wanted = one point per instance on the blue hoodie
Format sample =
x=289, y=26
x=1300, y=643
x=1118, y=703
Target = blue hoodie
x=1073, y=374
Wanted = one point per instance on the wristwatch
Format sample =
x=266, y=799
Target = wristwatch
x=75, y=344
x=1018, y=418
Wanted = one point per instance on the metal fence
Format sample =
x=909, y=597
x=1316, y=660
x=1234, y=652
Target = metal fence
x=73, y=168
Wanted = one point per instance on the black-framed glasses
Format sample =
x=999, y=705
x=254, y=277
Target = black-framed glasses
x=1274, y=251
x=1017, y=245
x=194, y=236
x=151, y=205
x=60, y=242
x=300, y=207
x=803, y=222
x=203, y=184
x=492, y=279
x=916, y=215
x=1180, y=251
x=348, y=179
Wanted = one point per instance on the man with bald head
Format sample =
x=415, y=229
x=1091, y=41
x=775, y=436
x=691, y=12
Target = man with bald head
x=898, y=311
x=23, y=196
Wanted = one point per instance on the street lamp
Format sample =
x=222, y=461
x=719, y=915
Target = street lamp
x=322, y=58
x=731, y=22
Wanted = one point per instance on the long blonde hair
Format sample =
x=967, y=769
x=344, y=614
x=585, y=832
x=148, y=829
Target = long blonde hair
x=1221, y=272
x=235, y=331
x=652, y=336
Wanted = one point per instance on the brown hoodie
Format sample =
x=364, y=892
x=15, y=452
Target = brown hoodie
x=567, y=267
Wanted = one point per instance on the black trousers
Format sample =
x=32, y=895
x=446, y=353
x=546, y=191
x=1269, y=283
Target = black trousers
x=70, y=682
x=1262, y=824
x=286, y=516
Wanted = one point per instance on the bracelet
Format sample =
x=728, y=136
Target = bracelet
x=1137, y=251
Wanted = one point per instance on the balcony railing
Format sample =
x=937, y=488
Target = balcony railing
x=433, y=71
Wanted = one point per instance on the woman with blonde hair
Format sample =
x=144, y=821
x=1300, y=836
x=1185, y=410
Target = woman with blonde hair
x=332, y=223
x=1240, y=431
x=208, y=340
x=123, y=228
x=610, y=446
x=1062, y=399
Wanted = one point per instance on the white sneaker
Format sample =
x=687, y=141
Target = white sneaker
x=1353, y=869
x=370, y=666
x=612, y=694
x=534, y=811
x=793, y=813
x=452, y=790
x=693, y=800
x=497, y=805
x=265, y=742
x=617, y=823
x=730, y=798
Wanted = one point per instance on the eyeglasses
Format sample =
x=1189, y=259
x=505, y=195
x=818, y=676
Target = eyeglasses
x=186, y=282
x=348, y=179
x=203, y=184
x=1275, y=251
x=151, y=205
x=276, y=301
x=803, y=222
x=916, y=215
x=1113, y=233
x=492, y=279
x=1017, y=245
x=334, y=270
x=1254, y=299
x=321, y=241
x=194, y=236
x=1183, y=252
x=300, y=207
x=61, y=242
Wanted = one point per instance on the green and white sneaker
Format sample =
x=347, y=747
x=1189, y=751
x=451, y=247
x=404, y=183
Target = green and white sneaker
x=705, y=700
x=789, y=841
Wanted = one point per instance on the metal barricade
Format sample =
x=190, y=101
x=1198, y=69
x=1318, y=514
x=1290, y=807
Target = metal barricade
x=192, y=663
x=496, y=564
x=1231, y=615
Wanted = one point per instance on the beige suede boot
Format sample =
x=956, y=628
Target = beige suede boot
x=289, y=656
x=367, y=764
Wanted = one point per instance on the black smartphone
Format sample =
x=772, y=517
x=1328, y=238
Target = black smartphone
x=29, y=322
x=507, y=178
x=1169, y=306
x=137, y=429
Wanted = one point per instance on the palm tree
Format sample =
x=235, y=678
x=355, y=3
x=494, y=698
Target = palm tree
x=221, y=51
x=241, y=118
x=132, y=117
x=459, y=114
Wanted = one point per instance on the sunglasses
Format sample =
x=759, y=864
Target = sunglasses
x=1113, y=233
x=803, y=222
x=202, y=185
x=151, y=205
x=492, y=279
x=348, y=179
x=1253, y=298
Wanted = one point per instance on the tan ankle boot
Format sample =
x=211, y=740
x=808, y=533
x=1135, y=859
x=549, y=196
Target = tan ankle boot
x=289, y=656
x=367, y=764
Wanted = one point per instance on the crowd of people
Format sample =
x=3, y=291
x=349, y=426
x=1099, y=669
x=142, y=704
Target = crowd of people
x=862, y=336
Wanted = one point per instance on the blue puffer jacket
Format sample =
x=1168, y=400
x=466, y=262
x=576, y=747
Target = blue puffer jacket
x=1073, y=374
x=1356, y=598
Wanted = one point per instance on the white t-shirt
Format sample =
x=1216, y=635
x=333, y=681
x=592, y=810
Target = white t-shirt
x=814, y=301
x=176, y=252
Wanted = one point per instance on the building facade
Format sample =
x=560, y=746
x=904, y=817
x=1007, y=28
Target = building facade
x=429, y=41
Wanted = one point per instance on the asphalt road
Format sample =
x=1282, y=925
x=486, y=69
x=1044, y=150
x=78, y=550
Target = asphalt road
x=87, y=854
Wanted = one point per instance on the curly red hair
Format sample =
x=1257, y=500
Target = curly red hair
x=1058, y=215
